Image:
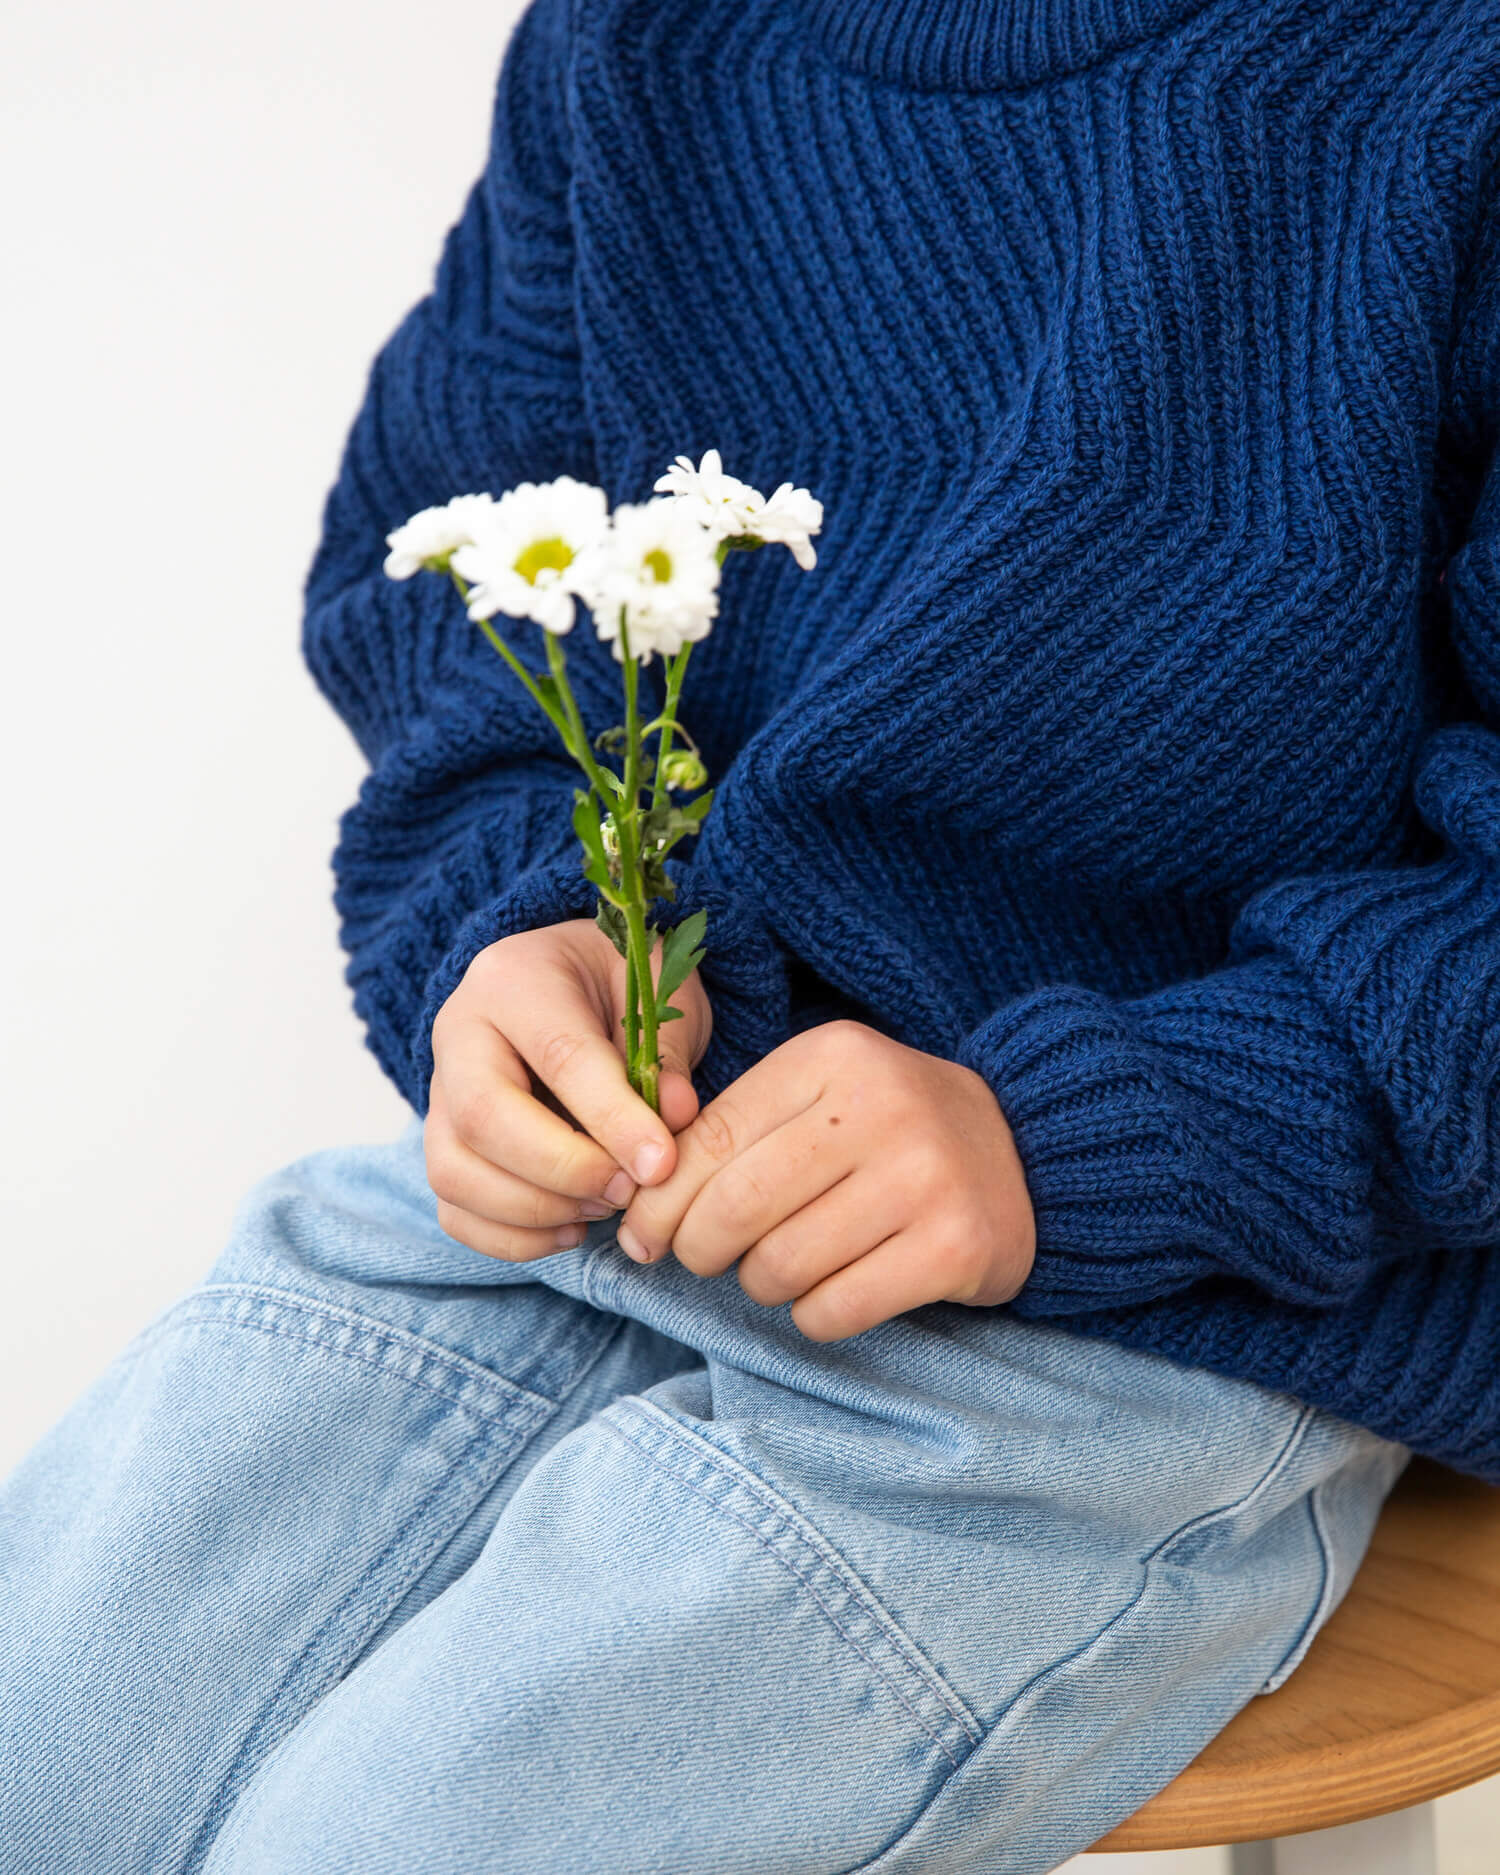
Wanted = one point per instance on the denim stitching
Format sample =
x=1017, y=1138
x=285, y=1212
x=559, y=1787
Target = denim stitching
x=492, y=1446
x=396, y=1340
x=786, y=1517
x=484, y=1443
x=854, y=1589
x=806, y=1581
x=1290, y=1444
x=1283, y=1458
x=1292, y=1659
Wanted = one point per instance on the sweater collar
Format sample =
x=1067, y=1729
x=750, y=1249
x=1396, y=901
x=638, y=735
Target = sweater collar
x=982, y=45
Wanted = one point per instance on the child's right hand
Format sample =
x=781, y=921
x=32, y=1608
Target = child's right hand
x=530, y=1041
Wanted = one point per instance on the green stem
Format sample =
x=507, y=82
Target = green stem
x=553, y=715
x=558, y=665
x=644, y=1067
x=632, y=1015
x=668, y=722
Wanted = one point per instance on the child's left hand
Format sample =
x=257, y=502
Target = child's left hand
x=851, y=1176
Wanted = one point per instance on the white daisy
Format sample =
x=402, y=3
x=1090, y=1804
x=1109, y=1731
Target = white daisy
x=661, y=567
x=525, y=559
x=429, y=539
x=789, y=518
x=732, y=509
x=721, y=502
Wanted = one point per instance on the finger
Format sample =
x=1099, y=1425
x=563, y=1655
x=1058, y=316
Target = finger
x=678, y=1098
x=902, y=1272
x=845, y=1223
x=771, y=1180
x=556, y=1031
x=459, y=1177
x=506, y=1242
x=752, y=1107
x=486, y=1096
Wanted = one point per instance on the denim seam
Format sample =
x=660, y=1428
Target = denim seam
x=1277, y=1465
x=879, y=1625
x=316, y=1666
x=785, y=1516
x=492, y=1445
x=1292, y=1659
x=265, y=1311
x=1294, y=1439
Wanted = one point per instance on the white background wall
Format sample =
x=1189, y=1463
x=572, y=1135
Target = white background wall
x=212, y=216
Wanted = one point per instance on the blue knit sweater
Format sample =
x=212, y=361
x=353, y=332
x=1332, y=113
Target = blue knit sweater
x=1137, y=740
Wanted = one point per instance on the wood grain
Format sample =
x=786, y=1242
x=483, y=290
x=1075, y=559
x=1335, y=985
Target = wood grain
x=1397, y=1701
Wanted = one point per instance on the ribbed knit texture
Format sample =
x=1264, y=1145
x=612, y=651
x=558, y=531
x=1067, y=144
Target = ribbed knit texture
x=1135, y=741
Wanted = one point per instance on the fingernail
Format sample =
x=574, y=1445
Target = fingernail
x=569, y=1237
x=648, y=1161
x=596, y=1207
x=632, y=1245
x=619, y=1189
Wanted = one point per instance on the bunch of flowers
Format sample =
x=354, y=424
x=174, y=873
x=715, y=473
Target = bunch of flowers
x=649, y=575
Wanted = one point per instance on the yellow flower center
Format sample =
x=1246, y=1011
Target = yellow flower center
x=659, y=564
x=543, y=556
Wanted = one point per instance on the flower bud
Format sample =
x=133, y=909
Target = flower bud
x=682, y=769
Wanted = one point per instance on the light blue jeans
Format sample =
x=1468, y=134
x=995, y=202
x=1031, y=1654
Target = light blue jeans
x=375, y=1557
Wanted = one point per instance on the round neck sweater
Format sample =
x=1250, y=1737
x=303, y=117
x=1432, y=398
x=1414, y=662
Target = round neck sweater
x=1135, y=741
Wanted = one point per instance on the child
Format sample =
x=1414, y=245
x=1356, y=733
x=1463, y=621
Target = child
x=1076, y=1190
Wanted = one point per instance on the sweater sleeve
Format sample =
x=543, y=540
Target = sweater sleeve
x=461, y=833
x=1326, y=1105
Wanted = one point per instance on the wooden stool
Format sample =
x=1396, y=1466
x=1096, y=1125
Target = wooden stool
x=1397, y=1702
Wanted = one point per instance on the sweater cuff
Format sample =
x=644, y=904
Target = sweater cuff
x=744, y=970
x=1094, y=1132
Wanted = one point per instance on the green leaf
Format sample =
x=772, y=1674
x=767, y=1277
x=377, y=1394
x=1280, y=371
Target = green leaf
x=586, y=826
x=694, y=811
x=611, y=921
x=669, y=1014
x=680, y=955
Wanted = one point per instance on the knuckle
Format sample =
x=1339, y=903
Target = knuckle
x=618, y=1125
x=835, y=1318
x=696, y=1258
x=472, y=1115
x=556, y=1051
x=713, y=1131
x=442, y=1174
x=541, y=1209
x=758, y=1285
x=741, y=1199
x=965, y=1256
x=454, y=1222
x=926, y=1164
x=567, y=1173
x=774, y=1263
x=765, y=1278
x=848, y=1039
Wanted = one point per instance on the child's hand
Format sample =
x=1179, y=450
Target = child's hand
x=853, y=1177
x=529, y=1042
